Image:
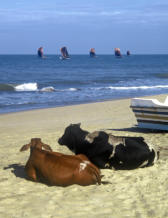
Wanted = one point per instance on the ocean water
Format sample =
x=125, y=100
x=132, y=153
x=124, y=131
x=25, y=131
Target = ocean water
x=28, y=82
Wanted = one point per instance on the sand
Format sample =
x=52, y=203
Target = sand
x=131, y=193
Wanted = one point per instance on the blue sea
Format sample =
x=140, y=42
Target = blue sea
x=28, y=82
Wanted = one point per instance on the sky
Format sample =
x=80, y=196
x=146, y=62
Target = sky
x=140, y=26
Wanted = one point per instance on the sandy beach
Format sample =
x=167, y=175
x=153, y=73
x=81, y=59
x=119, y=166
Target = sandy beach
x=140, y=193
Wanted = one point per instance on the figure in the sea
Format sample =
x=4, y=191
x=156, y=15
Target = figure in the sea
x=40, y=52
x=64, y=53
x=92, y=53
x=117, y=52
x=128, y=53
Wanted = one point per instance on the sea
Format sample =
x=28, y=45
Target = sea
x=28, y=82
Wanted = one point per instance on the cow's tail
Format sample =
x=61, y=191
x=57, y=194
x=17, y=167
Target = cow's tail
x=153, y=157
x=95, y=173
x=154, y=154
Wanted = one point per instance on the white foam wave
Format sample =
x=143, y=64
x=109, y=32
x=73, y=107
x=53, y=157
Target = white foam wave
x=48, y=89
x=72, y=89
x=138, y=87
x=67, y=90
x=27, y=87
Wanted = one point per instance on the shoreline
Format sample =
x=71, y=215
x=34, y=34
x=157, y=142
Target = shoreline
x=161, y=96
x=68, y=105
x=130, y=193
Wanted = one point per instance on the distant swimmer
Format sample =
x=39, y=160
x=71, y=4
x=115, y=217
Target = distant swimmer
x=64, y=53
x=40, y=52
x=92, y=53
x=117, y=52
x=128, y=53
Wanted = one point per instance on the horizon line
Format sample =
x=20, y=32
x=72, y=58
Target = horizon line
x=84, y=54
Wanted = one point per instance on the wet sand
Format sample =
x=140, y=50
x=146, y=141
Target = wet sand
x=131, y=193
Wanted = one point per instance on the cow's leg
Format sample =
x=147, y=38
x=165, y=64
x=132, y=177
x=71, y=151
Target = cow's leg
x=31, y=172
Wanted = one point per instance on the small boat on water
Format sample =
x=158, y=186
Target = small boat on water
x=40, y=52
x=117, y=52
x=64, y=53
x=150, y=113
x=128, y=53
x=92, y=53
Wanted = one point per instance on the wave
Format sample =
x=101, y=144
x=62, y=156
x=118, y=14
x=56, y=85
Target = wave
x=33, y=87
x=6, y=87
x=140, y=87
x=132, y=87
x=27, y=87
x=73, y=89
x=48, y=89
x=52, y=89
x=21, y=87
x=68, y=90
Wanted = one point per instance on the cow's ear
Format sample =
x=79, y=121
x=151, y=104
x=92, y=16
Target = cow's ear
x=25, y=147
x=46, y=147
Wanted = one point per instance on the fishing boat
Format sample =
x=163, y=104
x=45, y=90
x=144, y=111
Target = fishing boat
x=128, y=53
x=92, y=53
x=117, y=52
x=150, y=113
x=64, y=53
x=40, y=52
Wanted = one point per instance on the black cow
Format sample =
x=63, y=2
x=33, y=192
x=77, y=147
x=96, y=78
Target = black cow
x=109, y=151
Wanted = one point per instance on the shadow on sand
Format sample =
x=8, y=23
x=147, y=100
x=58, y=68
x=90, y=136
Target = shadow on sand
x=139, y=130
x=17, y=170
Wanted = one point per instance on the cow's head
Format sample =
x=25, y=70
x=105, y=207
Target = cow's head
x=68, y=138
x=36, y=143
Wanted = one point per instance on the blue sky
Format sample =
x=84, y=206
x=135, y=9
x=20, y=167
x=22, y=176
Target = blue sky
x=140, y=26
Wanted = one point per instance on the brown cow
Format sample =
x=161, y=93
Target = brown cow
x=55, y=168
